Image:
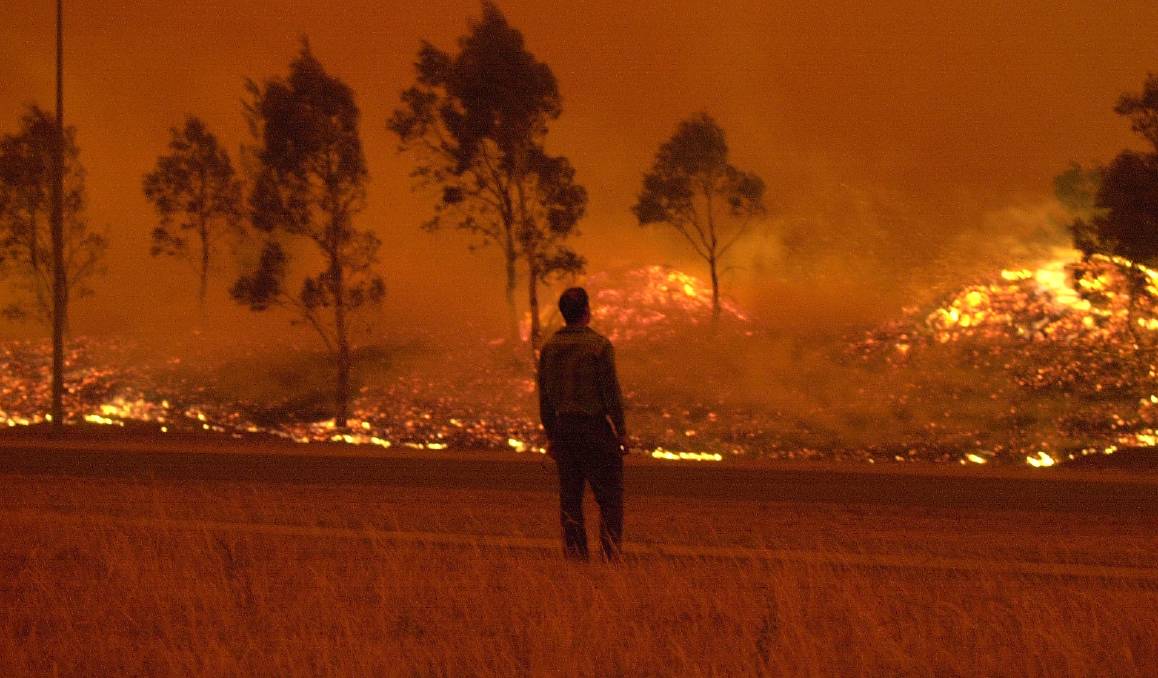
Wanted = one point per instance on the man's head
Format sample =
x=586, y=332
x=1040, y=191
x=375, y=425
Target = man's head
x=574, y=306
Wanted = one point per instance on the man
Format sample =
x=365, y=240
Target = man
x=581, y=408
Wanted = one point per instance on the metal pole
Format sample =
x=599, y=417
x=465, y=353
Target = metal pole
x=59, y=290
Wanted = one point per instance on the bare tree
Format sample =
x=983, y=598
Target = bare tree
x=194, y=190
x=695, y=190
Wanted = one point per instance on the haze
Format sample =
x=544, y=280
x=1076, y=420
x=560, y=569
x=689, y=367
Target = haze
x=889, y=134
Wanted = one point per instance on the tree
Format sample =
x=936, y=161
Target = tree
x=1142, y=109
x=1125, y=218
x=310, y=175
x=476, y=123
x=695, y=190
x=194, y=190
x=26, y=161
x=1125, y=221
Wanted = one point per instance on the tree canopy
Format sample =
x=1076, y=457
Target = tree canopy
x=475, y=123
x=26, y=160
x=309, y=184
x=197, y=194
x=693, y=188
x=1125, y=218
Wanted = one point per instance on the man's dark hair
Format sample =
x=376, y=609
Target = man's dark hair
x=573, y=304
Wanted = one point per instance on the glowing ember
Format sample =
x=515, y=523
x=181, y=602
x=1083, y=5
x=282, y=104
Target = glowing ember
x=649, y=303
x=661, y=453
x=1042, y=366
x=1042, y=460
x=1066, y=296
x=1069, y=331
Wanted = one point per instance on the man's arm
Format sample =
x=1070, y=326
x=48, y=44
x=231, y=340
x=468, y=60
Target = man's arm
x=546, y=404
x=610, y=392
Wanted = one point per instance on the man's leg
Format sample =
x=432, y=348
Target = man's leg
x=606, y=477
x=571, y=504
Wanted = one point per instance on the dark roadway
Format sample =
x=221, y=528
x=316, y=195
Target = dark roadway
x=1113, y=494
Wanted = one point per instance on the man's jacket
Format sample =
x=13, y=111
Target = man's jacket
x=577, y=377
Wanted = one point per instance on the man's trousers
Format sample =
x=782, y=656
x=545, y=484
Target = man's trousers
x=586, y=451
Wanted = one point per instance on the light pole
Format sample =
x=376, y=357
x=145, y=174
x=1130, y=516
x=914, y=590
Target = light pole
x=59, y=289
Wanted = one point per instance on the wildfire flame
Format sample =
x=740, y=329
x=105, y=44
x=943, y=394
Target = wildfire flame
x=1063, y=306
x=647, y=303
x=1064, y=289
x=1074, y=314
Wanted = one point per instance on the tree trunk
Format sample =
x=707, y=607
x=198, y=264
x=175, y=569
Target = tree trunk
x=512, y=307
x=33, y=241
x=342, y=414
x=41, y=284
x=203, y=287
x=712, y=264
x=530, y=241
x=712, y=245
x=342, y=417
x=203, y=231
x=525, y=245
x=533, y=303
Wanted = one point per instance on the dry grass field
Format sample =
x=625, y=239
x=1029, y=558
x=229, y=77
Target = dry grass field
x=131, y=577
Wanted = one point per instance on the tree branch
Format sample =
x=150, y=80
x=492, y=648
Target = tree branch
x=739, y=234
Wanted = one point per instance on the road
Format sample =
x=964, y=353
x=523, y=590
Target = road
x=942, y=488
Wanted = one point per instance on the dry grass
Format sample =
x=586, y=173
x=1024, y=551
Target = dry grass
x=89, y=597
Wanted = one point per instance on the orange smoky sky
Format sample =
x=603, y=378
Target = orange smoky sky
x=923, y=120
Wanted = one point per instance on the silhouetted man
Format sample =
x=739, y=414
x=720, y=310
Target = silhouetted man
x=581, y=408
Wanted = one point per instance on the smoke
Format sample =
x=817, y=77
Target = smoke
x=874, y=165
x=897, y=171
